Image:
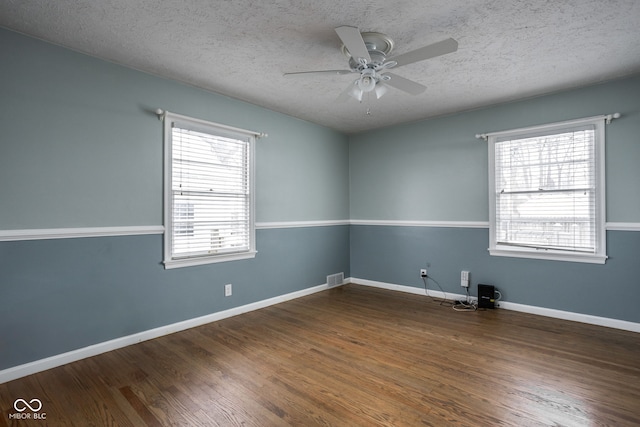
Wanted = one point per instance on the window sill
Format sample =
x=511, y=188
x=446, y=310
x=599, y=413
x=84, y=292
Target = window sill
x=189, y=262
x=549, y=255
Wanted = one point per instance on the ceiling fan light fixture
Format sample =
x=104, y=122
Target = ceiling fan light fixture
x=356, y=92
x=367, y=53
x=380, y=90
x=366, y=83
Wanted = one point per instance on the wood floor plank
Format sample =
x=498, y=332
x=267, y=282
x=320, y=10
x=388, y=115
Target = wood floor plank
x=352, y=356
x=140, y=407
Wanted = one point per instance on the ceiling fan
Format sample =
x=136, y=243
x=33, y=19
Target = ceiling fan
x=367, y=53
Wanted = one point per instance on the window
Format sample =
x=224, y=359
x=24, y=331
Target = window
x=208, y=207
x=546, y=190
x=183, y=218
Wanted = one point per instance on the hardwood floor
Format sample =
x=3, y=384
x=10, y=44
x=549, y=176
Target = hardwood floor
x=347, y=357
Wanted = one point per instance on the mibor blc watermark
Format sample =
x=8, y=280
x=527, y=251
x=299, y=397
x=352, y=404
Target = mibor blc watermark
x=28, y=410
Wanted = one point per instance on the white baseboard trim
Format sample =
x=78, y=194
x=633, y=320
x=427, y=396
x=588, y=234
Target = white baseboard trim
x=20, y=371
x=575, y=317
x=541, y=311
x=407, y=289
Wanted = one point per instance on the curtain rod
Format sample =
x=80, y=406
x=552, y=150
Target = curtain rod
x=163, y=113
x=607, y=118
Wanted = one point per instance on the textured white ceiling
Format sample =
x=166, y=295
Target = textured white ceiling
x=240, y=48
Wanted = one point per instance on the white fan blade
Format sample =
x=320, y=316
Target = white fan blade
x=404, y=85
x=426, y=52
x=352, y=39
x=338, y=72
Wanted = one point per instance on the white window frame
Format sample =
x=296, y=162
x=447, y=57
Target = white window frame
x=599, y=256
x=171, y=261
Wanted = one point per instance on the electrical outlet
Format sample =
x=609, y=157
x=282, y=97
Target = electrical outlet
x=464, y=279
x=423, y=272
x=227, y=290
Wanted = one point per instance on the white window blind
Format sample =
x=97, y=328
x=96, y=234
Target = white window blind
x=548, y=191
x=210, y=211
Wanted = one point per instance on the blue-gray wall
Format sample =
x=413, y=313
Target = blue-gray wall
x=81, y=148
x=394, y=255
x=435, y=171
x=64, y=294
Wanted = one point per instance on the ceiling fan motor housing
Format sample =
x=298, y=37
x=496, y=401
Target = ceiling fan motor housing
x=367, y=55
x=379, y=47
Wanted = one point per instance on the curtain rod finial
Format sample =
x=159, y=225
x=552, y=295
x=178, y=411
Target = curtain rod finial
x=610, y=117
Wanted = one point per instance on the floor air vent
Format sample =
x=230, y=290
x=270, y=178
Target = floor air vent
x=335, y=279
